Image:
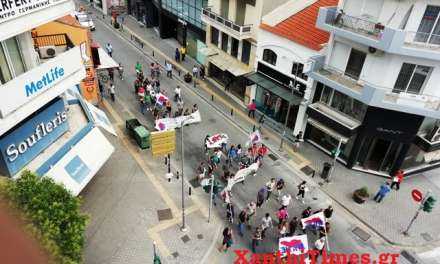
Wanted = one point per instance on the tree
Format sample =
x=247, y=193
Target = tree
x=52, y=213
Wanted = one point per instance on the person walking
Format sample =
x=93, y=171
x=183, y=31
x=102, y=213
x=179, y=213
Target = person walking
x=282, y=214
x=262, y=151
x=142, y=104
x=383, y=191
x=112, y=91
x=328, y=212
x=301, y=191
x=283, y=229
x=279, y=186
x=109, y=49
x=230, y=214
x=183, y=52
x=243, y=218
x=266, y=223
x=138, y=68
x=227, y=239
x=177, y=55
x=285, y=200
x=177, y=94
x=270, y=186
x=261, y=196
x=121, y=71
x=397, y=179
x=307, y=212
x=195, y=71
x=202, y=72
x=169, y=69
x=252, y=209
x=319, y=245
x=256, y=238
x=293, y=224
x=251, y=108
x=111, y=74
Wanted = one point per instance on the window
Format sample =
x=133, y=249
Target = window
x=270, y=56
x=355, y=64
x=429, y=28
x=11, y=61
x=297, y=70
x=411, y=78
x=225, y=38
x=246, y=52
x=343, y=103
x=214, y=36
x=234, y=47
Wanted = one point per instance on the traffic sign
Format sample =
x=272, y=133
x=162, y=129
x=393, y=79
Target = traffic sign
x=163, y=143
x=417, y=195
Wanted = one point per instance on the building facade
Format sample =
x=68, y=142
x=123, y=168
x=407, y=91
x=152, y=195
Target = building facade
x=231, y=37
x=287, y=39
x=42, y=127
x=376, y=96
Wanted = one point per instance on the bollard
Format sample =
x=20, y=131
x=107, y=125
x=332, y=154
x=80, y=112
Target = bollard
x=131, y=36
x=142, y=45
x=194, y=83
x=177, y=174
x=179, y=72
x=153, y=53
x=189, y=191
x=232, y=111
x=253, y=129
x=212, y=97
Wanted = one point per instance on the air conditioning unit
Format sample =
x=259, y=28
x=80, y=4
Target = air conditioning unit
x=47, y=52
x=434, y=135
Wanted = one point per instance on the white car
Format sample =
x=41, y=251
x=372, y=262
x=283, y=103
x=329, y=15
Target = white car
x=85, y=20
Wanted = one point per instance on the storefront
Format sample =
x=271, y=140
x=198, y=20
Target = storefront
x=144, y=11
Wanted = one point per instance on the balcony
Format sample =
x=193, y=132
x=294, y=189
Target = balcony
x=372, y=94
x=31, y=90
x=30, y=14
x=48, y=46
x=239, y=32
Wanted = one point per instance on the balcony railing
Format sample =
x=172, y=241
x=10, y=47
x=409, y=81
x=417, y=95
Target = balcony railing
x=341, y=77
x=422, y=39
x=425, y=101
x=357, y=24
x=239, y=29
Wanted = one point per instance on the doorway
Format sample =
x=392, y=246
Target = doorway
x=381, y=154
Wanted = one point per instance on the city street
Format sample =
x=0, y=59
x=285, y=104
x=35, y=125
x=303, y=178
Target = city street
x=135, y=186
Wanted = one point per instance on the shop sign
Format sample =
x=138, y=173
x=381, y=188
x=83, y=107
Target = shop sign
x=39, y=80
x=10, y=9
x=24, y=143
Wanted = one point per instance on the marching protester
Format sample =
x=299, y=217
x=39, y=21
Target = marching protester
x=328, y=212
x=266, y=223
x=283, y=228
x=227, y=239
x=293, y=224
x=177, y=94
x=243, y=219
x=285, y=200
x=270, y=186
x=319, y=245
x=279, y=186
x=301, y=191
x=307, y=212
x=282, y=214
x=256, y=238
x=195, y=108
x=261, y=196
x=230, y=214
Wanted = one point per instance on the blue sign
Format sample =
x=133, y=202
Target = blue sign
x=45, y=80
x=22, y=144
x=77, y=169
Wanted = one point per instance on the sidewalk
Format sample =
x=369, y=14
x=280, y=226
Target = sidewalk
x=387, y=219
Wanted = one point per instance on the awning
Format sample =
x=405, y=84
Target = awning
x=207, y=51
x=230, y=64
x=105, y=60
x=432, y=156
x=327, y=130
x=78, y=166
x=273, y=87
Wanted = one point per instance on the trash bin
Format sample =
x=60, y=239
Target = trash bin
x=326, y=170
x=131, y=124
x=142, y=137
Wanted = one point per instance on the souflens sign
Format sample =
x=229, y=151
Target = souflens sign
x=10, y=9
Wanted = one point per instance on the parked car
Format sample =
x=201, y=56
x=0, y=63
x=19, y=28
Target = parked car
x=85, y=20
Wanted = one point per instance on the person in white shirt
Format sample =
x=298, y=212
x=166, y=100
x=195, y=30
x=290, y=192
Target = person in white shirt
x=195, y=71
x=109, y=49
x=319, y=245
x=177, y=93
x=266, y=222
x=169, y=69
x=270, y=185
x=285, y=199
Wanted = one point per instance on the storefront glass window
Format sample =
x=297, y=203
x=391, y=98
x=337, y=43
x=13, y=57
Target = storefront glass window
x=343, y=103
x=414, y=157
x=188, y=10
x=330, y=143
x=5, y=74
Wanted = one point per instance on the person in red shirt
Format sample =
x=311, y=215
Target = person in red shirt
x=262, y=150
x=252, y=107
x=397, y=179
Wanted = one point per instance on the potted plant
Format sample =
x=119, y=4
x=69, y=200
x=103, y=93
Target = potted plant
x=361, y=195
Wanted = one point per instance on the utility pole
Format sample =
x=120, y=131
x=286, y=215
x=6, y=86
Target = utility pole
x=422, y=204
x=182, y=124
x=335, y=156
x=211, y=196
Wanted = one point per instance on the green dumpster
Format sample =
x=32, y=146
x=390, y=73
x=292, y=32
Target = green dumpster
x=142, y=137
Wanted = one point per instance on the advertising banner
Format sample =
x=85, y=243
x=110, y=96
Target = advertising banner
x=21, y=145
x=172, y=123
x=13, y=9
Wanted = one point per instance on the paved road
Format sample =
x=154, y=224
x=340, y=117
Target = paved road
x=341, y=237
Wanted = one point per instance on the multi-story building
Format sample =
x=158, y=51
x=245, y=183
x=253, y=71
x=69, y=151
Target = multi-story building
x=287, y=39
x=231, y=37
x=376, y=92
x=179, y=19
x=42, y=128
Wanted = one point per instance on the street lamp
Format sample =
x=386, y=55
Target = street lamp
x=182, y=124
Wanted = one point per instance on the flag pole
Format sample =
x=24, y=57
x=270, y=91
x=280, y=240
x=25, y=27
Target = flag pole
x=326, y=237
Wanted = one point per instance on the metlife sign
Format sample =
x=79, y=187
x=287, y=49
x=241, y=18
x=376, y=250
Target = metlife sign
x=39, y=80
x=24, y=143
x=10, y=9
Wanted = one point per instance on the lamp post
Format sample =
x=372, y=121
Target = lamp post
x=182, y=124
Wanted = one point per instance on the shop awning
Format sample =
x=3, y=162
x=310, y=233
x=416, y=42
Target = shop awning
x=327, y=130
x=273, y=87
x=432, y=156
x=227, y=63
x=78, y=166
x=105, y=60
x=207, y=51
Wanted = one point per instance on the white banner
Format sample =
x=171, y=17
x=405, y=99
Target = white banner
x=315, y=221
x=216, y=141
x=37, y=81
x=242, y=174
x=254, y=138
x=296, y=245
x=172, y=123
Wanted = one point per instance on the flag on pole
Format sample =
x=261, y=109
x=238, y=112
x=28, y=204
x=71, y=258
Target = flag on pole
x=296, y=245
x=161, y=99
x=315, y=221
x=254, y=137
x=216, y=141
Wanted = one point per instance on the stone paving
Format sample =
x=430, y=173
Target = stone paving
x=388, y=218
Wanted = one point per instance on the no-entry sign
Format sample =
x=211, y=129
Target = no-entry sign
x=417, y=195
